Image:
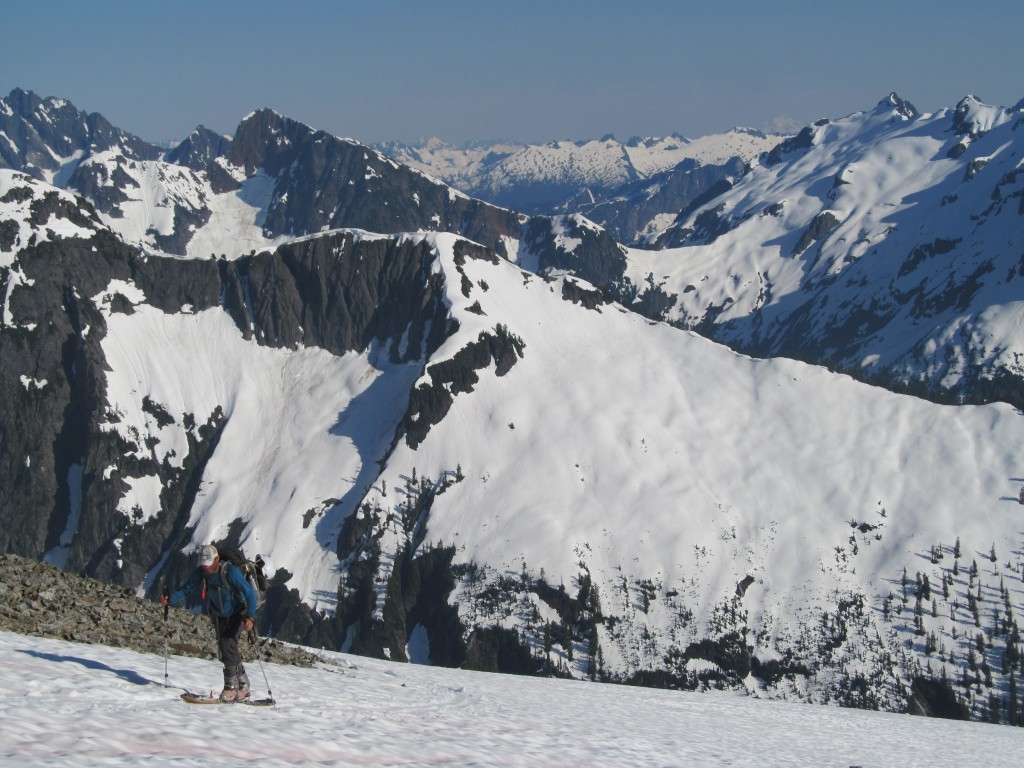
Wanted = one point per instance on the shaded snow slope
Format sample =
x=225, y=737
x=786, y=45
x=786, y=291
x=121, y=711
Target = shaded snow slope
x=303, y=427
x=85, y=705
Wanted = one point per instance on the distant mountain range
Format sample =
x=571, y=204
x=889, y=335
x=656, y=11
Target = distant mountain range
x=494, y=436
x=624, y=187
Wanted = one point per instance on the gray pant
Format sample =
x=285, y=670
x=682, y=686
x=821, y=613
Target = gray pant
x=229, y=629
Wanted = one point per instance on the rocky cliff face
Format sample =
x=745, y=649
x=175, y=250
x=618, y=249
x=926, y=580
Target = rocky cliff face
x=61, y=469
x=633, y=212
x=42, y=132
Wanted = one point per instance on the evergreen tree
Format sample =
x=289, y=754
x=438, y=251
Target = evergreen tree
x=1012, y=705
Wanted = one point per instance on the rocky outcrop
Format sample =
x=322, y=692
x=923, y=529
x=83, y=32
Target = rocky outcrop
x=677, y=191
x=324, y=182
x=41, y=131
x=339, y=294
x=39, y=599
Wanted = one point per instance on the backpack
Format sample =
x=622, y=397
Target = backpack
x=252, y=570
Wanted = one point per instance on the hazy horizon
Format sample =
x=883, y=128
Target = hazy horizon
x=523, y=71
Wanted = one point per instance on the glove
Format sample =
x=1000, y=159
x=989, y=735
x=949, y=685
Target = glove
x=247, y=624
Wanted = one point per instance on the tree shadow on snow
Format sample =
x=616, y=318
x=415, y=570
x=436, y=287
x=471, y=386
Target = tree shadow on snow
x=125, y=674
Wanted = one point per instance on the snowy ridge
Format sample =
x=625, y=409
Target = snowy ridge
x=495, y=172
x=18, y=193
x=909, y=222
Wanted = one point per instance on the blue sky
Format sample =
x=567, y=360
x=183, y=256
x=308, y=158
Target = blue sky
x=518, y=69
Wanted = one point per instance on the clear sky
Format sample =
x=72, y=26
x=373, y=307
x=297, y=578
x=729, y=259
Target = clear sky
x=521, y=70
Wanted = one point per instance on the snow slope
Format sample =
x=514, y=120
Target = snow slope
x=885, y=241
x=294, y=445
x=633, y=452
x=649, y=459
x=63, y=704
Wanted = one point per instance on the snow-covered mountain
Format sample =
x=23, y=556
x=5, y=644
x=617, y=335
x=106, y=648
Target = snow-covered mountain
x=627, y=187
x=213, y=195
x=446, y=442
x=886, y=244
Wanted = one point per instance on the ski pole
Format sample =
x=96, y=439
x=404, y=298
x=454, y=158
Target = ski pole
x=254, y=639
x=166, y=650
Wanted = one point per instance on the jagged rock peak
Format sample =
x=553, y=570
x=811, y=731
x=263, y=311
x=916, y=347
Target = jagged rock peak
x=22, y=101
x=901, y=107
x=747, y=131
x=201, y=147
x=55, y=128
x=972, y=117
x=262, y=134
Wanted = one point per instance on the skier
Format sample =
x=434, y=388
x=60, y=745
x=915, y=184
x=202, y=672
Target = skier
x=231, y=603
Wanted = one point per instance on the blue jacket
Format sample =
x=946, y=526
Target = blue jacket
x=227, y=592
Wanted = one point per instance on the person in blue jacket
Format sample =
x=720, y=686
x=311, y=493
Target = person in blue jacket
x=231, y=602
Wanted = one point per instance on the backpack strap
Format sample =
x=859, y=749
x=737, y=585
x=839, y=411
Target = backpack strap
x=224, y=565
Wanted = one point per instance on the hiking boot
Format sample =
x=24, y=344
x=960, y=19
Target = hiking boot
x=242, y=686
x=230, y=695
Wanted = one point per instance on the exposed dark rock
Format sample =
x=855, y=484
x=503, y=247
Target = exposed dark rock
x=935, y=698
x=39, y=599
x=429, y=403
x=326, y=182
x=597, y=258
x=923, y=252
x=803, y=140
x=627, y=210
x=819, y=227
x=903, y=108
x=199, y=150
x=41, y=128
x=741, y=587
x=577, y=294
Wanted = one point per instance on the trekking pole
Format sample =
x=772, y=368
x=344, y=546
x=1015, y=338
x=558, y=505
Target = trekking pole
x=166, y=650
x=254, y=639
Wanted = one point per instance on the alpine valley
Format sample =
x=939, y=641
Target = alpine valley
x=740, y=412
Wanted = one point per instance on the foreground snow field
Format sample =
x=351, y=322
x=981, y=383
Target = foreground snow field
x=69, y=704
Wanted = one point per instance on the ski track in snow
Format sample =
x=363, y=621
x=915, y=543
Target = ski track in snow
x=72, y=705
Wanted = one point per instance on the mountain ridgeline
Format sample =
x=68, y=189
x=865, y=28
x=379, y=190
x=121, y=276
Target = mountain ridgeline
x=476, y=437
